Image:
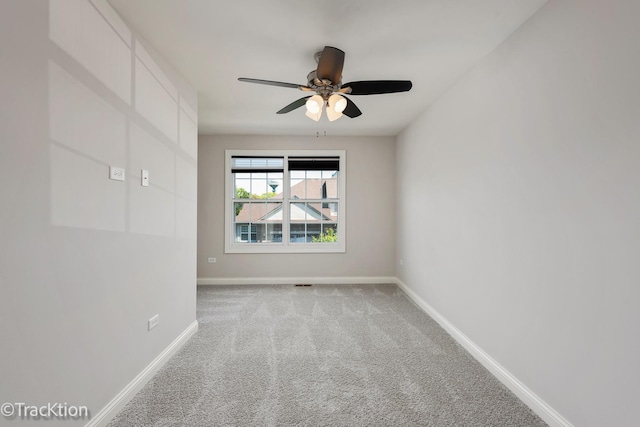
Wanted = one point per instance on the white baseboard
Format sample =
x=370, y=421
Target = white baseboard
x=107, y=413
x=352, y=280
x=537, y=405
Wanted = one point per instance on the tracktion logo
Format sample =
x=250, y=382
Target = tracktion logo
x=49, y=411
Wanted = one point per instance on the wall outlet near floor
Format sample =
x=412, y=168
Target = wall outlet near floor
x=401, y=262
x=153, y=322
x=212, y=260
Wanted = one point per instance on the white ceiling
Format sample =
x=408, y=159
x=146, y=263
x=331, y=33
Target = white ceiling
x=212, y=43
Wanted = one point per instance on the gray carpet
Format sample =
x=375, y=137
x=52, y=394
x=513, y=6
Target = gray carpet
x=348, y=355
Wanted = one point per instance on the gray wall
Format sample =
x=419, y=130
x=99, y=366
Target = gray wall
x=525, y=177
x=85, y=261
x=370, y=211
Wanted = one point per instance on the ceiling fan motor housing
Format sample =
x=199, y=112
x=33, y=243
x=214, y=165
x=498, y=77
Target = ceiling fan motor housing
x=323, y=88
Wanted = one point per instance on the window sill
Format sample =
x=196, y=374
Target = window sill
x=257, y=248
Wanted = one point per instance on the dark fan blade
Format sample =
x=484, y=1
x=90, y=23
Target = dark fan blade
x=272, y=83
x=295, y=104
x=376, y=87
x=351, y=110
x=330, y=64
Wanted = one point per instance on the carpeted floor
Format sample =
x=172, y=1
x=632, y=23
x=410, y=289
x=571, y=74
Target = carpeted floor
x=348, y=355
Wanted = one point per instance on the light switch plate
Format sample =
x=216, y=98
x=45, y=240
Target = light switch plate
x=116, y=173
x=145, y=177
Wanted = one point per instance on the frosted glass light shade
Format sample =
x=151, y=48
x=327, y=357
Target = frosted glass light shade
x=332, y=115
x=337, y=103
x=314, y=104
x=315, y=116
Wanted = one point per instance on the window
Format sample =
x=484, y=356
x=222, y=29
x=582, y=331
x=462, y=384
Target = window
x=244, y=234
x=284, y=202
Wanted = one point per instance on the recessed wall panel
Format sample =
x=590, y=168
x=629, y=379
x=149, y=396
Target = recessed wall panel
x=186, y=218
x=186, y=179
x=78, y=28
x=155, y=103
x=83, y=121
x=82, y=195
x=153, y=67
x=188, y=135
x=151, y=211
x=188, y=110
x=150, y=154
x=114, y=19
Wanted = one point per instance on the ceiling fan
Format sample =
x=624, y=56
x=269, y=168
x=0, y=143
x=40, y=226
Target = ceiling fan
x=326, y=82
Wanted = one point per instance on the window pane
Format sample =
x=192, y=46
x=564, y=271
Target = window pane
x=313, y=232
x=314, y=174
x=329, y=174
x=240, y=215
x=298, y=212
x=314, y=187
x=314, y=184
x=329, y=234
x=261, y=232
x=258, y=185
x=273, y=212
x=258, y=212
x=242, y=226
x=245, y=233
x=298, y=185
x=242, y=187
x=330, y=228
x=258, y=221
x=314, y=213
x=274, y=232
x=297, y=233
x=330, y=211
x=274, y=182
x=330, y=186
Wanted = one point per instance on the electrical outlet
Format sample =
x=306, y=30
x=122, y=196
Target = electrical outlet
x=116, y=173
x=153, y=322
x=401, y=262
x=145, y=177
x=212, y=260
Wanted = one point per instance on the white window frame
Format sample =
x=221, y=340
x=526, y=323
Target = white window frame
x=231, y=246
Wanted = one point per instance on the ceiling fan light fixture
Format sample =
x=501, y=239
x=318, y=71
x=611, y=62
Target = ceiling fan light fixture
x=337, y=103
x=314, y=105
x=316, y=116
x=326, y=82
x=332, y=114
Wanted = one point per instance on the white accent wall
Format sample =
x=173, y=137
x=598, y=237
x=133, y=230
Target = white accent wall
x=85, y=261
x=370, y=214
x=525, y=180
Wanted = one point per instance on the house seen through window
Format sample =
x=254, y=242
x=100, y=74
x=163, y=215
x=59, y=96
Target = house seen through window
x=285, y=202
